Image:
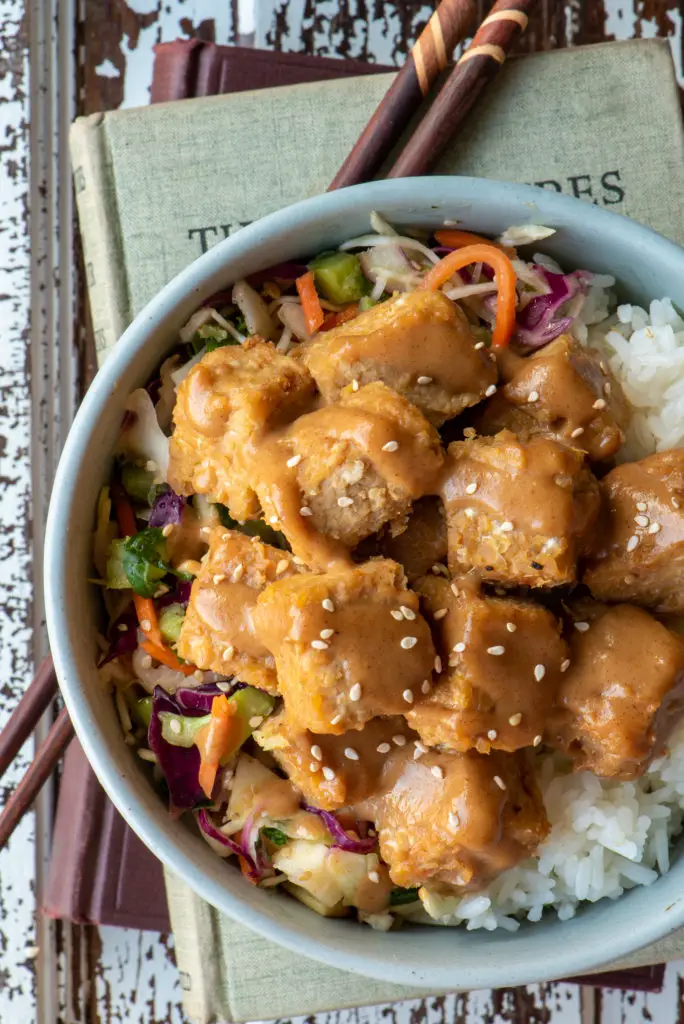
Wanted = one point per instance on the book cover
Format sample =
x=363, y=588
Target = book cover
x=214, y=164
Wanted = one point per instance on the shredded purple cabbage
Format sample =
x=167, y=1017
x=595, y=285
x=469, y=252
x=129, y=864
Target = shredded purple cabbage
x=168, y=509
x=122, y=641
x=180, y=765
x=179, y=595
x=281, y=271
x=536, y=325
x=208, y=827
x=341, y=839
x=194, y=701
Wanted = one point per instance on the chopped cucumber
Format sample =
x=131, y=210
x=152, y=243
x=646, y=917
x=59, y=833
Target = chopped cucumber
x=116, y=574
x=339, y=277
x=139, y=483
x=180, y=730
x=141, y=710
x=170, y=622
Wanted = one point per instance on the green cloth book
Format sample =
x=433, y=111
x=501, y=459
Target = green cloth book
x=156, y=186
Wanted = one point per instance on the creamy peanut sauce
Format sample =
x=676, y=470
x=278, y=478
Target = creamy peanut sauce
x=227, y=608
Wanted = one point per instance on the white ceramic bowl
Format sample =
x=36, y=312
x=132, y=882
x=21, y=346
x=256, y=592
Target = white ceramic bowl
x=646, y=266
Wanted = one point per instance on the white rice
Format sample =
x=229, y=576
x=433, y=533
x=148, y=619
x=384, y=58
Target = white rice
x=605, y=836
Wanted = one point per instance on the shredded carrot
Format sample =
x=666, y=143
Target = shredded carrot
x=216, y=740
x=455, y=239
x=144, y=606
x=161, y=653
x=504, y=276
x=311, y=304
x=335, y=319
x=245, y=869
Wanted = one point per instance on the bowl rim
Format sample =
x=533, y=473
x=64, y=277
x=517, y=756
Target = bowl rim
x=560, y=959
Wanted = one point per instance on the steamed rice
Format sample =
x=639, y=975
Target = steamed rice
x=606, y=836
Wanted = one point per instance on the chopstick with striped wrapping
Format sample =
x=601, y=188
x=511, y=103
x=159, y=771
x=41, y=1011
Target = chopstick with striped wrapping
x=473, y=72
x=428, y=58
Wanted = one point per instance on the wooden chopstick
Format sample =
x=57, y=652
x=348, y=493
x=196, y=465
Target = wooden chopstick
x=476, y=68
x=40, y=769
x=428, y=57
x=28, y=712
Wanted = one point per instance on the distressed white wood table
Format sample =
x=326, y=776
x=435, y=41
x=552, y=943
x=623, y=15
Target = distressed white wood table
x=57, y=58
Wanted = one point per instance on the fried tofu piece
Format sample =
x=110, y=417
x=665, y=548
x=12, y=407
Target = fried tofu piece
x=334, y=771
x=218, y=633
x=518, y=512
x=623, y=692
x=459, y=819
x=501, y=666
x=349, y=644
x=640, y=556
x=226, y=402
x=343, y=471
x=419, y=343
x=566, y=392
x=423, y=543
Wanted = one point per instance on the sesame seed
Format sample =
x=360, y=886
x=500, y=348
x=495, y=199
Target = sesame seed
x=675, y=503
x=515, y=719
x=167, y=530
x=151, y=465
x=407, y=642
x=205, y=529
x=459, y=648
x=238, y=573
x=511, y=627
x=294, y=461
x=383, y=748
x=425, y=380
x=305, y=511
x=219, y=578
x=282, y=565
x=497, y=650
x=577, y=432
x=420, y=748
x=319, y=645
x=255, y=721
x=407, y=612
x=327, y=604
x=328, y=773
x=565, y=665
x=507, y=526
x=373, y=876
x=438, y=664
x=581, y=627
x=491, y=390
x=536, y=741
x=478, y=345
x=396, y=614
x=345, y=502
x=199, y=675
x=641, y=520
x=440, y=614
x=499, y=781
x=492, y=734
x=174, y=725
x=539, y=672
x=439, y=569
x=654, y=528
x=399, y=740
x=122, y=627
x=228, y=653
x=351, y=754
x=469, y=513
x=391, y=446
x=437, y=771
x=147, y=755
x=425, y=686
x=606, y=388
x=642, y=506
x=355, y=692
x=338, y=716
x=454, y=821
x=355, y=385
x=471, y=488
x=454, y=590
x=225, y=687
x=273, y=520
x=325, y=634
x=314, y=767
x=600, y=403
x=408, y=696
x=145, y=625
x=533, y=396
x=632, y=543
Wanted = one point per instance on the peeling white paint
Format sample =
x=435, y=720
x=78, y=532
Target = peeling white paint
x=107, y=69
